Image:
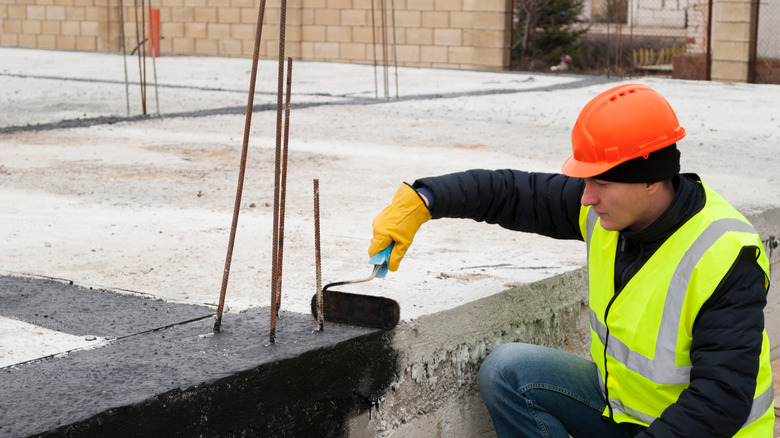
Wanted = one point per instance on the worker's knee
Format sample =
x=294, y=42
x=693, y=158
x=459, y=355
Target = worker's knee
x=501, y=371
x=511, y=367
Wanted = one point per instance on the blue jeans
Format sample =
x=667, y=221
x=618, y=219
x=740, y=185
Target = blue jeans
x=535, y=391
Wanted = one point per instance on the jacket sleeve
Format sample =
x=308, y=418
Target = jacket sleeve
x=727, y=338
x=542, y=203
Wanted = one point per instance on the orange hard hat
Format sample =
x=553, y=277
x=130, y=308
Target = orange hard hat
x=625, y=122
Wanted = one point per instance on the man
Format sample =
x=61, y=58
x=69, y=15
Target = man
x=677, y=284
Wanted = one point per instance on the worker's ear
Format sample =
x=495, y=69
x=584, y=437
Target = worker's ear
x=652, y=188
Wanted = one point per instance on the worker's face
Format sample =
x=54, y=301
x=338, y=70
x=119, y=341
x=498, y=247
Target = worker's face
x=619, y=205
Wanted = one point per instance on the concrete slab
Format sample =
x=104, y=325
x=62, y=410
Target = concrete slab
x=145, y=204
x=157, y=196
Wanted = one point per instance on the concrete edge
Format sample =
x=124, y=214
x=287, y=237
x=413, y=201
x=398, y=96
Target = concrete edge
x=436, y=393
x=767, y=223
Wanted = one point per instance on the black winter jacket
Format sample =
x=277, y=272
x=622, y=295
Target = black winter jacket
x=727, y=334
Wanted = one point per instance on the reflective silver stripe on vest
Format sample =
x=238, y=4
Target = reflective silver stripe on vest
x=590, y=225
x=759, y=407
x=662, y=369
x=602, y=386
x=618, y=406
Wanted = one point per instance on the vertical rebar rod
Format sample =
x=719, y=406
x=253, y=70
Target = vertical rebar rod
x=283, y=195
x=630, y=31
x=143, y=49
x=277, y=173
x=124, y=52
x=395, y=47
x=708, y=56
x=373, y=39
x=619, y=48
x=242, y=167
x=608, y=50
x=140, y=69
x=384, y=49
x=317, y=257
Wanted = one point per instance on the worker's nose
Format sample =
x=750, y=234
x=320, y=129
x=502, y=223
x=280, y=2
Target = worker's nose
x=589, y=194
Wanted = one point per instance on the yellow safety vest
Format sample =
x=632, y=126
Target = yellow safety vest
x=641, y=339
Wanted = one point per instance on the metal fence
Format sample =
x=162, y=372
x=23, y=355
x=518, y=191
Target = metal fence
x=649, y=37
x=630, y=37
x=619, y=37
x=766, y=67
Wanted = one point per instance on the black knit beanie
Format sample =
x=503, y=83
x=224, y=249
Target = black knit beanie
x=659, y=165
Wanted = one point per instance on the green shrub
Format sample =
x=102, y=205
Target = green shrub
x=546, y=30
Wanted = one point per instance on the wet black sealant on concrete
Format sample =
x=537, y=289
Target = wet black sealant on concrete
x=185, y=380
x=79, y=310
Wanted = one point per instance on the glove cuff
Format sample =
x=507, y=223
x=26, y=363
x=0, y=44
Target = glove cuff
x=412, y=203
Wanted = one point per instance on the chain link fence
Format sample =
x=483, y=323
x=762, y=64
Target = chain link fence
x=767, y=59
x=642, y=37
x=631, y=37
x=617, y=37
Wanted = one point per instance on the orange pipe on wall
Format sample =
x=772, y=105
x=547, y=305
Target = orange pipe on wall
x=154, y=32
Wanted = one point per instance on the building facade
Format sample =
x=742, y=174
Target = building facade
x=723, y=37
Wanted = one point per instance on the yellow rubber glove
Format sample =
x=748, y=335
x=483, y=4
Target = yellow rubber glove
x=398, y=223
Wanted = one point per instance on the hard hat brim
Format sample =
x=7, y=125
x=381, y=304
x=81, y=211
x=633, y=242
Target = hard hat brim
x=578, y=169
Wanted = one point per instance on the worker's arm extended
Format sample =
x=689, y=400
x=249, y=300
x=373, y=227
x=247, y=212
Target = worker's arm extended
x=542, y=203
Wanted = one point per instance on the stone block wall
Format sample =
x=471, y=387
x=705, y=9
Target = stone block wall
x=731, y=40
x=55, y=24
x=469, y=34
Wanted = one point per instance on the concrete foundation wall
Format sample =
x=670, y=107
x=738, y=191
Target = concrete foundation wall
x=426, y=33
x=768, y=226
x=436, y=393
